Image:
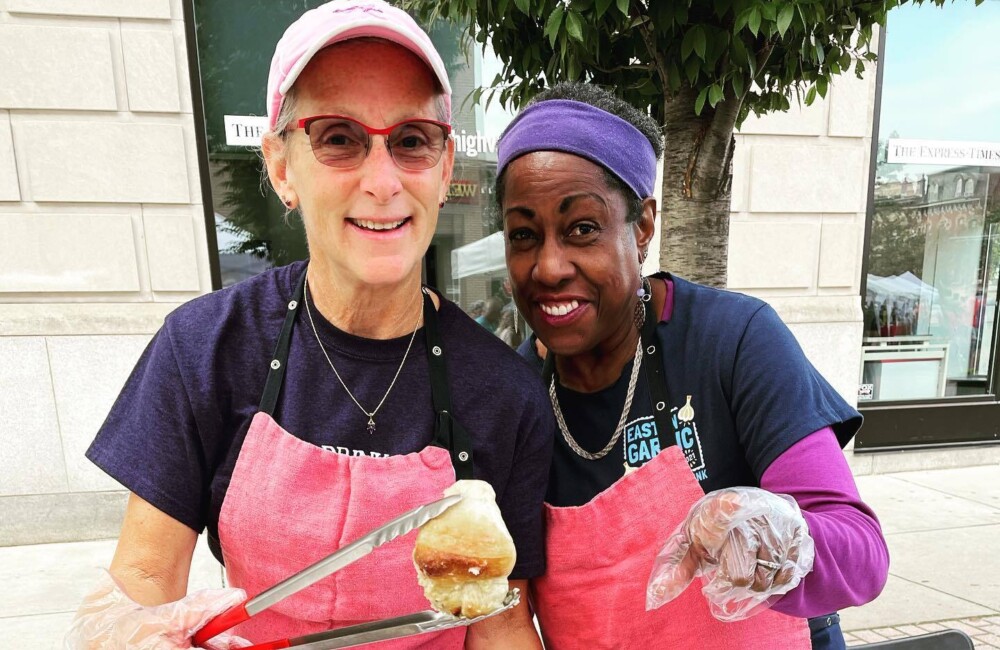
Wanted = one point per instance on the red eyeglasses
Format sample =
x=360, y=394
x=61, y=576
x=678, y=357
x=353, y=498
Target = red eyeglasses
x=343, y=142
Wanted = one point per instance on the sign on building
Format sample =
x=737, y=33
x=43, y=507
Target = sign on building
x=943, y=152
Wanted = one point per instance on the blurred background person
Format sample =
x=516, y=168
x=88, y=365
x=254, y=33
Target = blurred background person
x=490, y=318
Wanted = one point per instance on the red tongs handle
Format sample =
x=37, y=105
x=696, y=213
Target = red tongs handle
x=224, y=621
x=272, y=645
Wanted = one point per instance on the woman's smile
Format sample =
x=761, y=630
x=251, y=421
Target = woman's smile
x=562, y=312
x=381, y=228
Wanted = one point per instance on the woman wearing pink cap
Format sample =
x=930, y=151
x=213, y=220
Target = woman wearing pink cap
x=294, y=412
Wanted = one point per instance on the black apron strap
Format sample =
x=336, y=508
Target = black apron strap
x=449, y=433
x=275, y=379
x=276, y=375
x=548, y=369
x=652, y=365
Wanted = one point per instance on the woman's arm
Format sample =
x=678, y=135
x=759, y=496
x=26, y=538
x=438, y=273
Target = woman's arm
x=153, y=557
x=512, y=629
x=852, y=560
x=142, y=602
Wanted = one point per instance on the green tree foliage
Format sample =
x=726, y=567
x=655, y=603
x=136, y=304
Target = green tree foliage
x=699, y=67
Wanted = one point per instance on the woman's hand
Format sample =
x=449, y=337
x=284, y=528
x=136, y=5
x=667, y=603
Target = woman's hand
x=511, y=629
x=109, y=620
x=749, y=545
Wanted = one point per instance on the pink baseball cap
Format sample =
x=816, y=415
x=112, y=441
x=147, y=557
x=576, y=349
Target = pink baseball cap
x=342, y=20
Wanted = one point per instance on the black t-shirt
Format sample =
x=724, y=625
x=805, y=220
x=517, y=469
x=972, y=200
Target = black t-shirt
x=740, y=392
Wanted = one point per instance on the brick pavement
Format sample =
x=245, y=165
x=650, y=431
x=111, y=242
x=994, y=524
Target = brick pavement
x=985, y=632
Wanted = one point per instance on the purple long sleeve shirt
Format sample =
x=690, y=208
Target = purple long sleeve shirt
x=852, y=560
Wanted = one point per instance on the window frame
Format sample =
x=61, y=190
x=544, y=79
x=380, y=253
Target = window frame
x=201, y=142
x=968, y=420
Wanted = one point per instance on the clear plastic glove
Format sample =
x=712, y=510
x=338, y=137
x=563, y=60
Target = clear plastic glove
x=748, y=545
x=109, y=620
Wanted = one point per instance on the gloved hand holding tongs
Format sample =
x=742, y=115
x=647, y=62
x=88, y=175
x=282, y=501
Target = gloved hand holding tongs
x=109, y=620
x=345, y=637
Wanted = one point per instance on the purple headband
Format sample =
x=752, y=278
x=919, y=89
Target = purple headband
x=586, y=131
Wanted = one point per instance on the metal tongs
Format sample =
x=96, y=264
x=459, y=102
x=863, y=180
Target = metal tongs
x=353, y=635
x=390, y=628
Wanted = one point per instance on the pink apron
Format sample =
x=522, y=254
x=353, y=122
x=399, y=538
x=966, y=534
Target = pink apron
x=291, y=503
x=599, y=557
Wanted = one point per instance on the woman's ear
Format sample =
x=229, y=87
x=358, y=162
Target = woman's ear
x=645, y=225
x=275, y=152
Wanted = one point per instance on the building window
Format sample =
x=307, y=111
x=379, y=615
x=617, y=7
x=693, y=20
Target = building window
x=934, y=260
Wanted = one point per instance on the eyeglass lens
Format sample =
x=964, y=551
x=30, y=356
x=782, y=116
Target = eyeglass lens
x=339, y=142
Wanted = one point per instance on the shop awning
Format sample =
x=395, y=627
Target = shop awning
x=481, y=256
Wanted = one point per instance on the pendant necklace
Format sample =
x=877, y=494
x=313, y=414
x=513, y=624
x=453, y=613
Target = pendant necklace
x=371, y=415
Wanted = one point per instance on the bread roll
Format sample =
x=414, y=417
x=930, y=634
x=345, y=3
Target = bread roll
x=463, y=557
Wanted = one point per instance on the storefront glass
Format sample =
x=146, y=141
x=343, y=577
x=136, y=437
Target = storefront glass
x=930, y=304
x=235, y=41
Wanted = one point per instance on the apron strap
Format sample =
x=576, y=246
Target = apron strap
x=548, y=369
x=652, y=367
x=449, y=433
x=276, y=375
x=275, y=379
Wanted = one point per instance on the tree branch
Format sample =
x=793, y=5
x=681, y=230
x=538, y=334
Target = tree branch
x=762, y=58
x=649, y=38
x=710, y=164
x=707, y=174
x=619, y=68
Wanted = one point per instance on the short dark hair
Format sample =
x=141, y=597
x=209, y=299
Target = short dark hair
x=599, y=97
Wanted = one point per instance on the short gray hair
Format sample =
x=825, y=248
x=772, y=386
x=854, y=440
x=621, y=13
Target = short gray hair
x=289, y=108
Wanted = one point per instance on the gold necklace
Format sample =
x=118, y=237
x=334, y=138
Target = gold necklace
x=371, y=416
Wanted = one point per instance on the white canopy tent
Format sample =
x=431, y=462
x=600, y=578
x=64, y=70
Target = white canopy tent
x=481, y=256
x=906, y=285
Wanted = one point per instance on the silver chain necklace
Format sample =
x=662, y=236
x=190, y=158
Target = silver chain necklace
x=371, y=416
x=580, y=451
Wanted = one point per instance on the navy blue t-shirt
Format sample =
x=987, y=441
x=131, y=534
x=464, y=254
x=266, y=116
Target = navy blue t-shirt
x=741, y=392
x=175, y=432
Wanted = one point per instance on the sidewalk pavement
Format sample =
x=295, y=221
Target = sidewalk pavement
x=943, y=528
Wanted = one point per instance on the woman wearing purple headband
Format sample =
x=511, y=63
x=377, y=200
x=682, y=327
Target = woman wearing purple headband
x=295, y=412
x=663, y=391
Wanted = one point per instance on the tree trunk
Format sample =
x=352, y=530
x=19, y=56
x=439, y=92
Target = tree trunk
x=697, y=169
